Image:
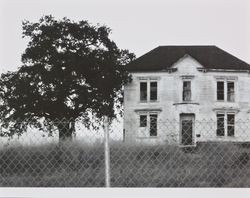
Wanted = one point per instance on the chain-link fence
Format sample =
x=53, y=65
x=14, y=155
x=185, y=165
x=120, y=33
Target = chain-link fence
x=148, y=153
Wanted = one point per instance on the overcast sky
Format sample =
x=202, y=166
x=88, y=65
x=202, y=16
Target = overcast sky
x=138, y=25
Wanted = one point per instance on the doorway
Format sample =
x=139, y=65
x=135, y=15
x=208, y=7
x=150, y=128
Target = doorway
x=187, y=129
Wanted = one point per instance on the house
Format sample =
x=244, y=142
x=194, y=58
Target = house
x=186, y=94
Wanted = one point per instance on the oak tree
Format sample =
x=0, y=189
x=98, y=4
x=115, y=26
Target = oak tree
x=70, y=70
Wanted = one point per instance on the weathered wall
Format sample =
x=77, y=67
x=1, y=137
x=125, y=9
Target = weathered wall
x=204, y=104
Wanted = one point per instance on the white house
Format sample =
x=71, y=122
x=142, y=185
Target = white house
x=186, y=94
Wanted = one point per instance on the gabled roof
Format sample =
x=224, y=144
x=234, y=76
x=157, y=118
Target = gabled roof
x=163, y=57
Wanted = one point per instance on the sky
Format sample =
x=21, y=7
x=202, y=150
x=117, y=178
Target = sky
x=137, y=25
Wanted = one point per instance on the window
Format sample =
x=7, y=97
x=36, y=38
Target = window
x=153, y=91
x=148, y=124
x=220, y=125
x=230, y=124
x=230, y=91
x=153, y=125
x=225, y=124
x=143, y=91
x=148, y=94
x=220, y=90
x=143, y=120
x=186, y=95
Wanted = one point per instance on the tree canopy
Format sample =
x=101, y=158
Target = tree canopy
x=70, y=70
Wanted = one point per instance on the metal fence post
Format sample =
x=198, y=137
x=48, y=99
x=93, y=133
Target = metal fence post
x=106, y=152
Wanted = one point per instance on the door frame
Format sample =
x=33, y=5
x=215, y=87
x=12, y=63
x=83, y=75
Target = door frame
x=192, y=115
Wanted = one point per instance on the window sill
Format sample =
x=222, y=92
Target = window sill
x=225, y=136
x=150, y=101
x=151, y=137
x=225, y=101
x=148, y=110
x=187, y=102
x=187, y=146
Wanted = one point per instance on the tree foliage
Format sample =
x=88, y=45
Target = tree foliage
x=70, y=70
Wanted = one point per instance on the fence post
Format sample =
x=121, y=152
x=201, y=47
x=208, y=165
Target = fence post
x=106, y=152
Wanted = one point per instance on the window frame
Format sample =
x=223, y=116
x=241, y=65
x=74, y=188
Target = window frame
x=230, y=125
x=227, y=82
x=220, y=81
x=151, y=90
x=148, y=126
x=222, y=118
x=141, y=121
x=143, y=82
x=226, y=124
x=148, y=93
x=183, y=91
x=225, y=90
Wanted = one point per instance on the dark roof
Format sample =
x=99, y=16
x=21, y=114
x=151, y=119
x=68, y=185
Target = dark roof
x=163, y=57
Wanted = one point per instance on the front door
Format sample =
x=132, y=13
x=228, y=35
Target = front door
x=187, y=129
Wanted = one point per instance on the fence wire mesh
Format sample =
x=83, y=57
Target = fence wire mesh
x=148, y=153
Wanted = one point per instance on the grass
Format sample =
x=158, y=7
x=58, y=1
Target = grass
x=69, y=165
x=207, y=165
x=76, y=165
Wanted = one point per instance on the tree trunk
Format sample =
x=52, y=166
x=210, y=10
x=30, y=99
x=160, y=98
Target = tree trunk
x=66, y=130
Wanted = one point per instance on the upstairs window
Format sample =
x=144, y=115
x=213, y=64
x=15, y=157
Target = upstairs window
x=186, y=94
x=230, y=91
x=220, y=90
x=148, y=91
x=153, y=91
x=143, y=91
x=229, y=94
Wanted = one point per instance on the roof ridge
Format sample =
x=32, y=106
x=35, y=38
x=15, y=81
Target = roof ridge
x=186, y=46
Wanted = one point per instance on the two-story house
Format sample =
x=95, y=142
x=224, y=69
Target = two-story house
x=186, y=94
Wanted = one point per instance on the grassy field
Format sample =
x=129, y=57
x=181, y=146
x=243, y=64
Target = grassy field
x=76, y=165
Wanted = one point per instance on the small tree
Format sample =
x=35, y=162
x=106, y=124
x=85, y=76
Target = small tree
x=70, y=70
